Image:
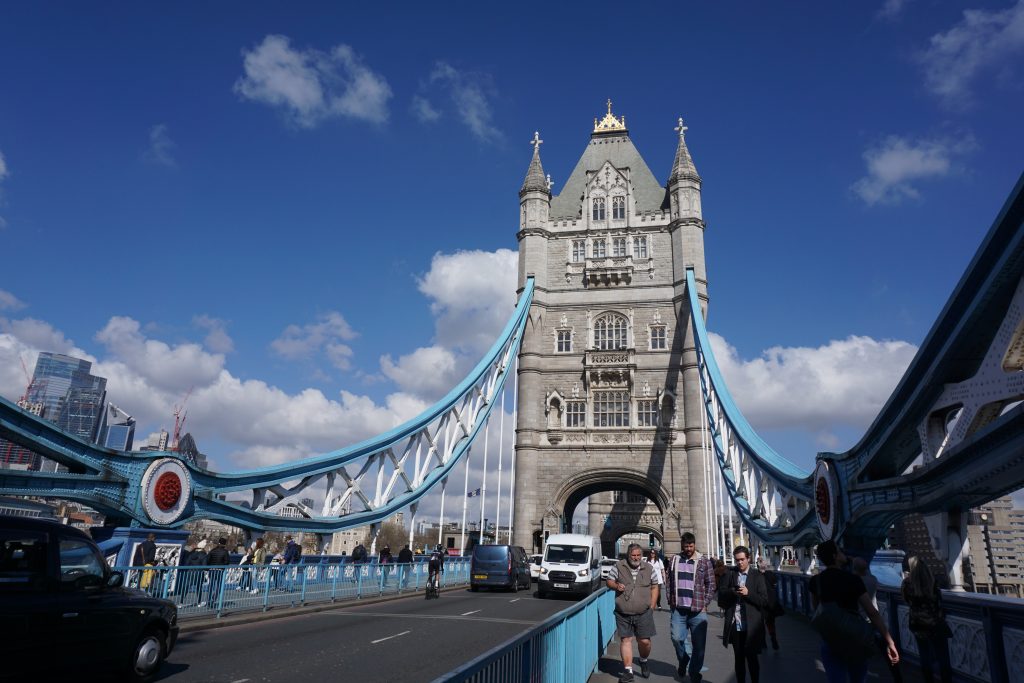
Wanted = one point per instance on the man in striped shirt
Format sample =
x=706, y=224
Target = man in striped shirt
x=691, y=584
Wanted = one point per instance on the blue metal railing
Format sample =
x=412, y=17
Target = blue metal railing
x=215, y=591
x=988, y=630
x=564, y=649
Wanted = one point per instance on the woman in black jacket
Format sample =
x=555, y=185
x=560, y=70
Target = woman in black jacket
x=927, y=622
x=743, y=596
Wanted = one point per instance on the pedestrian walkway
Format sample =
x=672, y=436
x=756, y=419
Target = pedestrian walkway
x=797, y=660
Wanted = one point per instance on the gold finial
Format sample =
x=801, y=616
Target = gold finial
x=609, y=122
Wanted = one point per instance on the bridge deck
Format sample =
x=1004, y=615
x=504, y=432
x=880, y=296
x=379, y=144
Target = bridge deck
x=796, y=661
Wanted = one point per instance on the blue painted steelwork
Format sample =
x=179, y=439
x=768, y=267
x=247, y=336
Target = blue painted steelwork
x=216, y=591
x=857, y=495
x=403, y=463
x=563, y=649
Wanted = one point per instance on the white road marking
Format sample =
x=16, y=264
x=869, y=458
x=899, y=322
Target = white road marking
x=466, y=614
x=240, y=680
x=515, y=600
x=381, y=640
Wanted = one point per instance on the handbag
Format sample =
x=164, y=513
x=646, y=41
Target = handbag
x=848, y=636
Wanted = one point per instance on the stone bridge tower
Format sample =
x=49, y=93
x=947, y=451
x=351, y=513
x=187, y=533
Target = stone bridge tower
x=608, y=386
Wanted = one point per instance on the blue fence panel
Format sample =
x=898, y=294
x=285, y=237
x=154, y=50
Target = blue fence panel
x=217, y=591
x=541, y=654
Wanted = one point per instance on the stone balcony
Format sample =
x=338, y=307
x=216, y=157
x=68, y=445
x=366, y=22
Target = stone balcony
x=609, y=271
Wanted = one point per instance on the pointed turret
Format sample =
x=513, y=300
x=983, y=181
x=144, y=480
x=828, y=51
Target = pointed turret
x=683, y=166
x=535, y=194
x=684, y=182
x=535, y=179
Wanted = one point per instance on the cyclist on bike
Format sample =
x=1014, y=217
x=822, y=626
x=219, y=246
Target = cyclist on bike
x=435, y=566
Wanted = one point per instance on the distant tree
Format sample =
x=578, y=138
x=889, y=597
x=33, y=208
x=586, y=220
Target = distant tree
x=391, y=534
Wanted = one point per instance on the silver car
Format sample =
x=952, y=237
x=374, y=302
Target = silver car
x=606, y=565
x=535, y=561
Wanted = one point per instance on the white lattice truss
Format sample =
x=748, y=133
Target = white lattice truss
x=769, y=508
x=370, y=481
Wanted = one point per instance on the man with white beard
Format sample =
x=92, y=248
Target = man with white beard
x=636, y=587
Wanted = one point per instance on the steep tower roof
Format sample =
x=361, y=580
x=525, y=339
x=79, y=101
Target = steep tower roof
x=535, y=180
x=609, y=142
x=683, y=166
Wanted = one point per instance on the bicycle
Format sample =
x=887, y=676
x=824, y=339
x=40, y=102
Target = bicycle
x=433, y=586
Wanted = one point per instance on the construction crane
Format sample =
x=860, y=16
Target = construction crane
x=180, y=415
x=28, y=380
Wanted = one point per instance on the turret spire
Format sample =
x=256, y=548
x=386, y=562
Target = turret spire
x=535, y=180
x=683, y=166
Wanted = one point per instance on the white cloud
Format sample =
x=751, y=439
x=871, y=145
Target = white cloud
x=984, y=41
x=892, y=8
x=9, y=302
x=897, y=165
x=845, y=382
x=472, y=296
x=302, y=342
x=310, y=85
x=424, y=110
x=162, y=366
x=470, y=94
x=148, y=377
x=217, y=337
x=161, y=147
x=429, y=371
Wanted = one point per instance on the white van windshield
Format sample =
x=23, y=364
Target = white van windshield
x=575, y=554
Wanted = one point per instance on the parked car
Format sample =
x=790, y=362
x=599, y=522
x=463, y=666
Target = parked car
x=606, y=565
x=535, y=561
x=499, y=566
x=71, y=610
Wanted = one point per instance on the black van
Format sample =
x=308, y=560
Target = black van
x=499, y=566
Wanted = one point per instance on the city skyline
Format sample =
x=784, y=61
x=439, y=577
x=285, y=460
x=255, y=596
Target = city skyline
x=314, y=231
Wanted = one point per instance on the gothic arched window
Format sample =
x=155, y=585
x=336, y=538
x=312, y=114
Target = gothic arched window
x=598, y=208
x=610, y=332
x=618, y=208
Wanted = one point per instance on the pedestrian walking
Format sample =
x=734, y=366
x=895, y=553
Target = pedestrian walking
x=927, y=621
x=659, y=567
x=145, y=556
x=292, y=556
x=863, y=570
x=259, y=558
x=385, y=560
x=720, y=571
x=847, y=591
x=636, y=587
x=194, y=577
x=218, y=557
x=245, y=579
x=691, y=585
x=405, y=560
x=743, y=594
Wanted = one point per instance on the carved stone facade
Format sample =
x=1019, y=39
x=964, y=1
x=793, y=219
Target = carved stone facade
x=608, y=393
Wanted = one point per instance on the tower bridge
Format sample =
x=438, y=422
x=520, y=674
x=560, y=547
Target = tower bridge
x=617, y=390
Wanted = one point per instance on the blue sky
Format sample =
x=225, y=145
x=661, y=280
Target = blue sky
x=299, y=212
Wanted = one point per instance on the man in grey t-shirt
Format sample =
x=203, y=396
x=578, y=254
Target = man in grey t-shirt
x=636, y=585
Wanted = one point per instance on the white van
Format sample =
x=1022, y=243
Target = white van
x=570, y=565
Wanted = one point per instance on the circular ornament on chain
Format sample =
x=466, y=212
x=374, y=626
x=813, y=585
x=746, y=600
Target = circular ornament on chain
x=166, y=490
x=825, y=498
